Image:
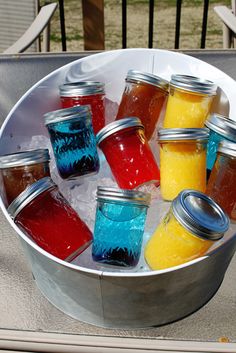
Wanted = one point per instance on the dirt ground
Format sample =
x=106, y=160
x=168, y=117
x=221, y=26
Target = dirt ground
x=137, y=25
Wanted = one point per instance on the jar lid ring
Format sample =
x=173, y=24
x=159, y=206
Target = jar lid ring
x=29, y=194
x=116, y=126
x=200, y=215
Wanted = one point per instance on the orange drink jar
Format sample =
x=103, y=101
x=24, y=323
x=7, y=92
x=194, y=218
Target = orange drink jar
x=144, y=97
x=189, y=102
x=191, y=226
x=222, y=183
x=182, y=160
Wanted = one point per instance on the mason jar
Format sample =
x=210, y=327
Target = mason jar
x=119, y=226
x=144, y=96
x=182, y=160
x=21, y=169
x=189, y=102
x=221, y=128
x=222, y=182
x=85, y=93
x=73, y=141
x=192, y=225
x=47, y=218
x=128, y=153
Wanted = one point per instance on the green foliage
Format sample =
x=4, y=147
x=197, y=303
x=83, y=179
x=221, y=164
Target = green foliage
x=74, y=37
x=55, y=38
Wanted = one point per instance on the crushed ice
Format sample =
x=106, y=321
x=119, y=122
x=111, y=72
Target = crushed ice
x=81, y=194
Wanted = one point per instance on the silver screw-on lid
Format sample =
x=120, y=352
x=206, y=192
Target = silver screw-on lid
x=79, y=111
x=24, y=158
x=29, y=194
x=227, y=147
x=180, y=134
x=222, y=125
x=117, y=126
x=139, y=76
x=200, y=215
x=121, y=195
x=82, y=88
x=193, y=84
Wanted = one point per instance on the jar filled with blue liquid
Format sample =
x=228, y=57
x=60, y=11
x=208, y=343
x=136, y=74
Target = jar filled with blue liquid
x=73, y=141
x=119, y=226
x=221, y=128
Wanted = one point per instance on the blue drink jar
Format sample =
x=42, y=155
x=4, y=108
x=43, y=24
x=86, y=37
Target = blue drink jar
x=221, y=128
x=119, y=226
x=73, y=141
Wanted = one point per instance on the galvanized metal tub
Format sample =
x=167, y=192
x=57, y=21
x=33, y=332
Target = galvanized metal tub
x=117, y=299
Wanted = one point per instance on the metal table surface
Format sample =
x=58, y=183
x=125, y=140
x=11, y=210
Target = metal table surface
x=24, y=312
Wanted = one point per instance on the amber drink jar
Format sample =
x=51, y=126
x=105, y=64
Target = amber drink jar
x=222, y=182
x=144, y=97
x=19, y=170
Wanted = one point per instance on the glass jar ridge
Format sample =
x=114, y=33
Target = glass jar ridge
x=81, y=88
x=140, y=76
x=119, y=195
x=193, y=84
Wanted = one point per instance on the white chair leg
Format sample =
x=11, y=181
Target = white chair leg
x=226, y=37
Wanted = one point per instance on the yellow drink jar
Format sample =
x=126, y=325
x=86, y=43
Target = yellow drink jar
x=193, y=223
x=182, y=160
x=189, y=102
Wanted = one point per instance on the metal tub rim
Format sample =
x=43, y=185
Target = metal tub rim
x=76, y=267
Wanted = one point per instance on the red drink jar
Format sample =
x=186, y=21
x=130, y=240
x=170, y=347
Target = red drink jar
x=222, y=182
x=48, y=219
x=85, y=93
x=128, y=153
x=144, y=97
x=21, y=169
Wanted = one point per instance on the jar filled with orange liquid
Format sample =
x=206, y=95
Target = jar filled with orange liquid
x=144, y=96
x=189, y=102
x=182, y=160
x=222, y=183
x=191, y=226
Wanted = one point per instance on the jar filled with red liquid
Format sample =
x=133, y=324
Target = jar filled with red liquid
x=222, y=182
x=85, y=93
x=21, y=169
x=47, y=218
x=128, y=153
x=144, y=97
